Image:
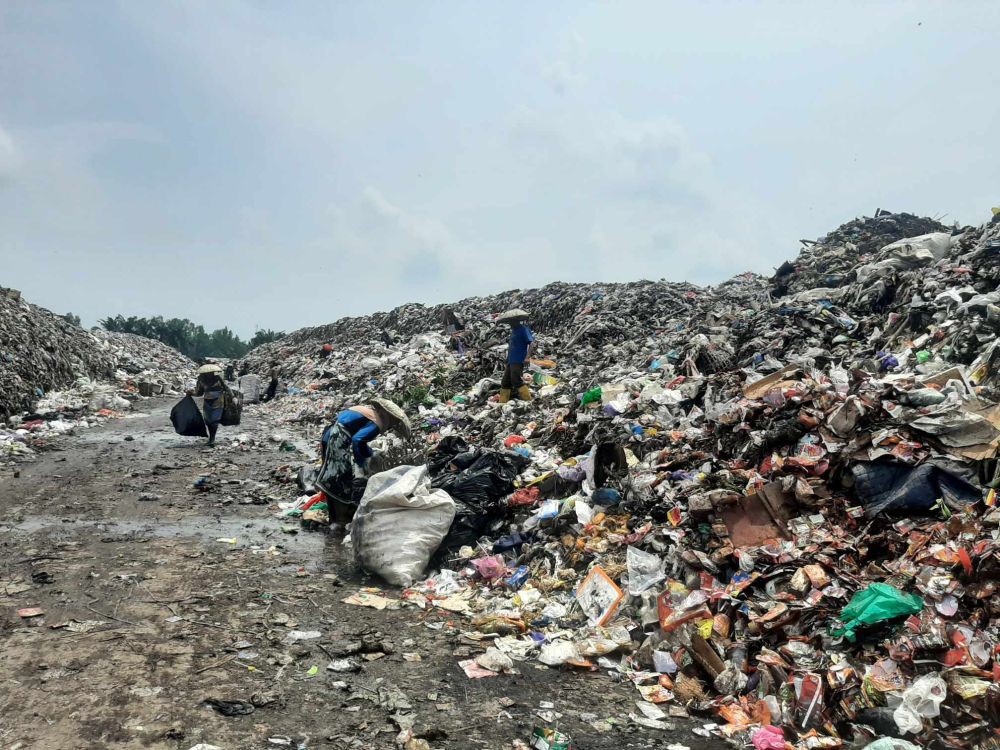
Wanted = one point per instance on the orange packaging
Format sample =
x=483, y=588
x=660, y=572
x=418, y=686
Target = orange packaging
x=599, y=596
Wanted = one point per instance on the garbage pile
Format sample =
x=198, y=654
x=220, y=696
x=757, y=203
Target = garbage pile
x=55, y=376
x=830, y=260
x=146, y=366
x=381, y=351
x=41, y=351
x=769, y=504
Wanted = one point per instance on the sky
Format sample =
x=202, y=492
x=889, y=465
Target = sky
x=283, y=164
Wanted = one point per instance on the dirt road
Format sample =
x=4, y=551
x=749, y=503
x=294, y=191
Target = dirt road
x=158, y=596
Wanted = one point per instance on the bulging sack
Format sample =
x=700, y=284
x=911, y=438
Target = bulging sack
x=232, y=408
x=187, y=419
x=400, y=523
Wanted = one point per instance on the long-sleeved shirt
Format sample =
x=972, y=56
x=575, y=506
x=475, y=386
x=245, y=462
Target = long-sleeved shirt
x=362, y=431
x=520, y=339
x=209, y=385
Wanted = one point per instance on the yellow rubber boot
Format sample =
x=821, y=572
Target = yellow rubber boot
x=524, y=393
x=504, y=395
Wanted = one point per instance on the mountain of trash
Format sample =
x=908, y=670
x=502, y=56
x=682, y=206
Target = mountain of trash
x=768, y=504
x=55, y=375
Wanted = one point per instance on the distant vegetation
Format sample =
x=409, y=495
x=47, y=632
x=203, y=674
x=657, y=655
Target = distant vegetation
x=190, y=338
x=73, y=320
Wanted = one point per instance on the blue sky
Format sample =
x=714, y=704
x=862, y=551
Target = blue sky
x=285, y=164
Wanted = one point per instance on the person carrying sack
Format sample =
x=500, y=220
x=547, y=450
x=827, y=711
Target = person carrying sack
x=212, y=388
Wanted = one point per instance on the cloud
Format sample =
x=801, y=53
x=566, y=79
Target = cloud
x=564, y=73
x=8, y=154
x=55, y=170
x=418, y=232
x=607, y=198
x=622, y=157
x=394, y=254
x=638, y=197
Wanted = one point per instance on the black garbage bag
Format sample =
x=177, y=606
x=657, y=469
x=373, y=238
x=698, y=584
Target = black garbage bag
x=187, y=419
x=444, y=453
x=485, y=477
x=477, y=489
x=306, y=478
x=894, y=486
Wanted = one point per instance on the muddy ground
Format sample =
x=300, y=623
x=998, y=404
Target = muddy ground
x=147, y=615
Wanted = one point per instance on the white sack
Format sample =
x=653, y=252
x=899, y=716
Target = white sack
x=400, y=523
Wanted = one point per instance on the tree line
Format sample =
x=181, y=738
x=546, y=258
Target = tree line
x=188, y=337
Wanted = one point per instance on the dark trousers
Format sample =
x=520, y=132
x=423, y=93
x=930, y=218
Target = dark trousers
x=513, y=376
x=272, y=389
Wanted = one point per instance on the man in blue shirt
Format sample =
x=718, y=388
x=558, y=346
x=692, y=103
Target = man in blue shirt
x=518, y=351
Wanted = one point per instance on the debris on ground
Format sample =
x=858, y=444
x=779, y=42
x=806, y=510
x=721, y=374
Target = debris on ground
x=56, y=377
x=769, y=504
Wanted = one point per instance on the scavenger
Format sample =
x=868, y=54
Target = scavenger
x=272, y=386
x=518, y=351
x=213, y=388
x=345, y=456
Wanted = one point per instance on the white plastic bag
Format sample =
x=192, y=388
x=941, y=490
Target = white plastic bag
x=558, y=652
x=921, y=700
x=644, y=570
x=400, y=523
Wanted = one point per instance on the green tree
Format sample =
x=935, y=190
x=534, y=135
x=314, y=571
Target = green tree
x=184, y=335
x=73, y=320
x=264, y=336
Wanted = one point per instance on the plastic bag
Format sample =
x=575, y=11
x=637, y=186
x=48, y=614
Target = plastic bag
x=252, y=388
x=558, y=652
x=483, y=479
x=187, y=419
x=768, y=738
x=921, y=700
x=892, y=486
x=891, y=743
x=644, y=570
x=400, y=523
x=877, y=603
x=491, y=567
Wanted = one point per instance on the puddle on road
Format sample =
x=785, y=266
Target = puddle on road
x=159, y=438
x=320, y=550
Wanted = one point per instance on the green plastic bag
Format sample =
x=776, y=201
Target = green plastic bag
x=591, y=396
x=877, y=603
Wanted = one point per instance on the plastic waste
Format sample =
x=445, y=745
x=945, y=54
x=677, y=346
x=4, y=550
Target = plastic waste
x=187, y=419
x=400, y=523
x=876, y=603
x=922, y=700
x=645, y=570
x=495, y=661
x=890, y=486
x=518, y=578
x=768, y=738
x=891, y=743
x=607, y=497
x=557, y=653
x=490, y=568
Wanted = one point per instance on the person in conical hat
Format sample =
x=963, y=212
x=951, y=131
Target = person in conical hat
x=518, y=351
x=211, y=386
x=346, y=454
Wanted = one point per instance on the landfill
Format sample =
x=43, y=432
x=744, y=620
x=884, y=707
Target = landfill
x=768, y=505
x=56, y=376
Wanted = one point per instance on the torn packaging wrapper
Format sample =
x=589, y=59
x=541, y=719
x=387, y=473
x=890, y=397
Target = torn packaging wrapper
x=599, y=596
x=759, y=518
